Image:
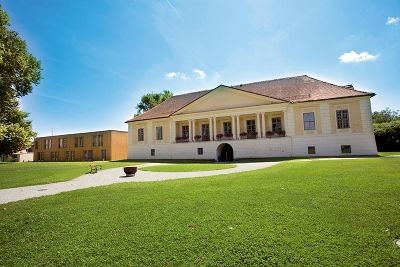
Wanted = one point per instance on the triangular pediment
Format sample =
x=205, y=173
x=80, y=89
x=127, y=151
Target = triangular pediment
x=224, y=97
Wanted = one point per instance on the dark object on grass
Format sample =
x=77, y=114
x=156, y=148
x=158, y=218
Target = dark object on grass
x=130, y=171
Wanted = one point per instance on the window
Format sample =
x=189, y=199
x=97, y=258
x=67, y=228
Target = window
x=88, y=155
x=309, y=121
x=97, y=140
x=251, y=126
x=51, y=155
x=199, y=151
x=40, y=156
x=140, y=133
x=346, y=149
x=159, y=135
x=103, y=155
x=311, y=150
x=94, y=143
x=276, y=124
x=185, y=131
x=205, y=130
x=152, y=152
x=56, y=154
x=342, y=117
x=47, y=143
x=69, y=155
x=100, y=140
x=79, y=141
x=228, y=128
x=36, y=144
x=62, y=142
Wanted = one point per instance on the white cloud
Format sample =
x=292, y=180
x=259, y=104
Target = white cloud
x=183, y=76
x=354, y=57
x=171, y=75
x=175, y=75
x=392, y=21
x=199, y=74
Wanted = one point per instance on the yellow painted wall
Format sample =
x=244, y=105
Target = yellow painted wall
x=166, y=128
x=120, y=144
x=225, y=98
x=198, y=124
x=353, y=105
x=299, y=109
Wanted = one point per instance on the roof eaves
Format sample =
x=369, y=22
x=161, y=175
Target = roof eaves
x=331, y=98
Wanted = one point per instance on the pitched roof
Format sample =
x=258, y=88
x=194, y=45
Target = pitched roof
x=292, y=89
x=300, y=89
x=169, y=106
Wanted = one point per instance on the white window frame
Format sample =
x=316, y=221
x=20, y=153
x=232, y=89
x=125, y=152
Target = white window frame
x=184, y=131
x=140, y=134
x=229, y=127
x=272, y=124
x=159, y=133
x=315, y=121
x=348, y=118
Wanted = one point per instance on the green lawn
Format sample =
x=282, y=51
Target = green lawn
x=187, y=167
x=389, y=153
x=31, y=173
x=324, y=213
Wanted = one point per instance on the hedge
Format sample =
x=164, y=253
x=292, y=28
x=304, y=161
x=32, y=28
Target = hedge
x=387, y=135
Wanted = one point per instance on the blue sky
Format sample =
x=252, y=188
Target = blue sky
x=99, y=57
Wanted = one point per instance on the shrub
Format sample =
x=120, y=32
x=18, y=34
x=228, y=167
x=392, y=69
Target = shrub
x=281, y=133
x=269, y=133
x=387, y=135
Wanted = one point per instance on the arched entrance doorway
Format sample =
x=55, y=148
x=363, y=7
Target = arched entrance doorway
x=225, y=152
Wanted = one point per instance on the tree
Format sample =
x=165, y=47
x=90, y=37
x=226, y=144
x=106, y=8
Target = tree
x=387, y=135
x=385, y=115
x=19, y=72
x=151, y=100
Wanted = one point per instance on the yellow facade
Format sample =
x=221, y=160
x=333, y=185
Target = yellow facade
x=278, y=110
x=101, y=145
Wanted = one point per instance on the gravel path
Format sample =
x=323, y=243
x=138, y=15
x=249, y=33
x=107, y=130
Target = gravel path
x=115, y=175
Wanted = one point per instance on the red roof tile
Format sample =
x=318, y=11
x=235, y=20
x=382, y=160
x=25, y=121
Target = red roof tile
x=169, y=106
x=300, y=89
x=292, y=89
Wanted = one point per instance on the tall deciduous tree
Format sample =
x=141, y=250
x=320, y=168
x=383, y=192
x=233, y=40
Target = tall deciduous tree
x=151, y=100
x=385, y=115
x=19, y=72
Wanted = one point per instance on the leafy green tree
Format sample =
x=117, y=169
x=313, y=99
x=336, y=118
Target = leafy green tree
x=151, y=100
x=19, y=72
x=387, y=135
x=385, y=115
